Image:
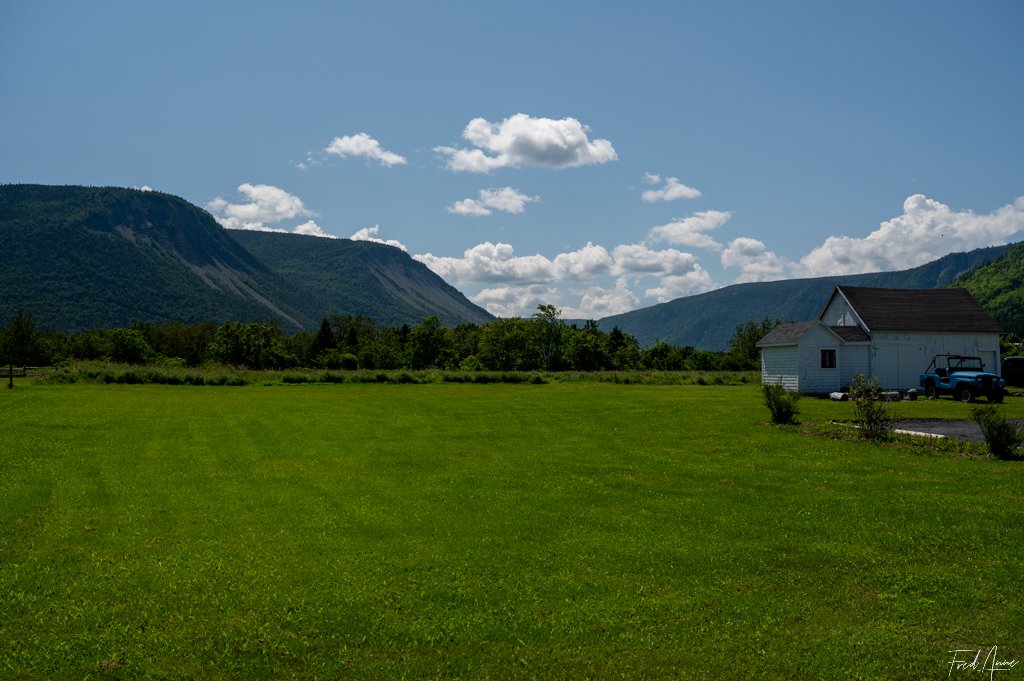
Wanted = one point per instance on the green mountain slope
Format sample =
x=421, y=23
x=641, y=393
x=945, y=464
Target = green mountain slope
x=362, y=278
x=89, y=257
x=999, y=287
x=82, y=257
x=709, y=320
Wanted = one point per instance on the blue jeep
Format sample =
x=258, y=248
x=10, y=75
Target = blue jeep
x=962, y=377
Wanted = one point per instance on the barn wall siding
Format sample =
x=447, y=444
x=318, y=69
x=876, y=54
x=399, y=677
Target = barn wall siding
x=853, y=359
x=814, y=379
x=781, y=365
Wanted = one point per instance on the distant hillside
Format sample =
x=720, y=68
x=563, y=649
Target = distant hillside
x=999, y=287
x=83, y=257
x=90, y=257
x=709, y=320
x=362, y=278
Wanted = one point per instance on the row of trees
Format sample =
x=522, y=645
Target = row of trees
x=541, y=342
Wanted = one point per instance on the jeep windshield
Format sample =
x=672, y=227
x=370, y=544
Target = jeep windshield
x=965, y=364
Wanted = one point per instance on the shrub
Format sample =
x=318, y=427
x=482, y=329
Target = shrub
x=871, y=412
x=335, y=359
x=471, y=363
x=1002, y=437
x=781, y=403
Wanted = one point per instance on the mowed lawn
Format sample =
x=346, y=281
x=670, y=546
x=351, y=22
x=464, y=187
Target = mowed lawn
x=495, y=531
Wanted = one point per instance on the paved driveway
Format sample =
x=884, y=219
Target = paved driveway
x=961, y=430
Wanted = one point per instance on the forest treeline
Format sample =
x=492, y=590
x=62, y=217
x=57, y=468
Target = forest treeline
x=543, y=341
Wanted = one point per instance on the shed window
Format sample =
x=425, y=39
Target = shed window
x=828, y=358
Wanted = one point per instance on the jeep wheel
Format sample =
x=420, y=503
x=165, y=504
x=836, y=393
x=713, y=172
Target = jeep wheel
x=996, y=396
x=963, y=393
x=930, y=391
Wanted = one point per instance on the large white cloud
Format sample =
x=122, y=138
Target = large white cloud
x=362, y=144
x=640, y=259
x=493, y=263
x=266, y=208
x=692, y=231
x=522, y=140
x=517, y=284
x=505, y=199
x=678, y=273
x=671, y=190
x=925, y=231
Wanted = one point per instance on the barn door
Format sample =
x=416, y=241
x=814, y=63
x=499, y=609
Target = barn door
x=885, y=364
x=990, y=358
x=912, y=362
x=897, y=365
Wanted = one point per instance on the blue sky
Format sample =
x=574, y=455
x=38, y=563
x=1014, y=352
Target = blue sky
x=598, y=156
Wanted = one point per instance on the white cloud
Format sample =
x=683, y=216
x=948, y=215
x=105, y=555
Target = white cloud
x=520, y=283
x=691, y=231
x=308, y=163
x=672, y=190
x=522, y=300
x=515, y=301
x=498, y=263
x=925, y=231
x=362, y=144
x=677, y=273
x=144, y=188
x=598, y=302
x=370, y=234
x=754, y=260
x=674, y=286
x=505, y=199
x=638, y=259
x=267, y=205
x=521, y=140
x=312, y=229
x=469, y=207
x=586, y=263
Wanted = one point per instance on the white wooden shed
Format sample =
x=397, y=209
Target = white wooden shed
x=891, y=334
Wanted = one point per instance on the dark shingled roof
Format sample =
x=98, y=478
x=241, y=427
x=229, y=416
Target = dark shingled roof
x=787, y=333
x=934, y=310
x=791, y=333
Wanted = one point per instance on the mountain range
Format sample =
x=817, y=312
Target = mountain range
x=709, y=320
x=101, y=257
x=97, y=257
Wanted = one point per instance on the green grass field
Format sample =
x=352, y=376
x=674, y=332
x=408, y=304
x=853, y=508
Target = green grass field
x=495, y=531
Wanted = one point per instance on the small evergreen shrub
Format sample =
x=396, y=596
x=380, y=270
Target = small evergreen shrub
x=1002, y=437
x=871, y=411
x=781, y=403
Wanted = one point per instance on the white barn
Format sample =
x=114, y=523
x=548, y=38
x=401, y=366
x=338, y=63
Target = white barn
x=891, y=334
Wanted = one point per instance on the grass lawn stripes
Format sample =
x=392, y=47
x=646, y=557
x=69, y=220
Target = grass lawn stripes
x=495, y=531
